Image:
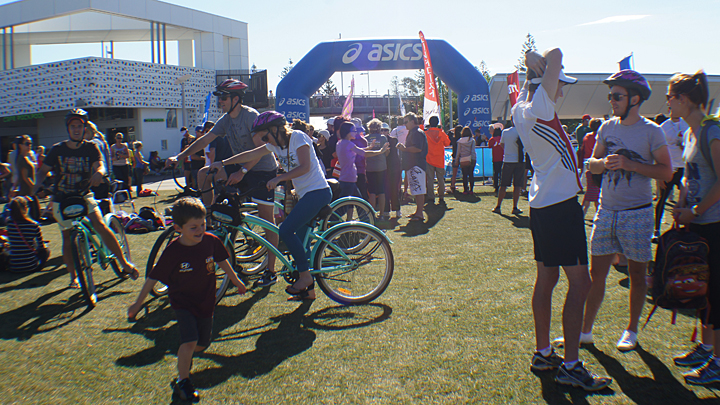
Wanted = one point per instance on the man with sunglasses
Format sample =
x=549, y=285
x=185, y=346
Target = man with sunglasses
x=556, y=218
x=630, y=150
x=235, y=125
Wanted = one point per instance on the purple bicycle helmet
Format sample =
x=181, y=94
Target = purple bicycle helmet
x=268, y=119
x=630, y=79
x=230, y=86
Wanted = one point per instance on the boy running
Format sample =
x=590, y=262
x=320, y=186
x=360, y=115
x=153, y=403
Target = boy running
x=187, y=267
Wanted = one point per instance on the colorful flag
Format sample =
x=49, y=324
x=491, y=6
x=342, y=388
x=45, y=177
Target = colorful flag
x=625, y=62
x=348, y=107
x=207, y=107
x=513, y=82
x=402, y=105
x=430, y=108
x=373, y=113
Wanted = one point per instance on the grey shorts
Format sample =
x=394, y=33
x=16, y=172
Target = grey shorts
x=628, y=232
x=194, y=329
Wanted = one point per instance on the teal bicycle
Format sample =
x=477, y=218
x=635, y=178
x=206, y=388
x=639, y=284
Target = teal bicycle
x=88, y=248
x=352, y=261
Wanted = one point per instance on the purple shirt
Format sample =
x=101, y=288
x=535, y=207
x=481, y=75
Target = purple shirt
x=362, y=143
x=347, y=152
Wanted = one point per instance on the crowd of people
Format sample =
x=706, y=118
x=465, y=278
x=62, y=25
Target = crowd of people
x=611, y=162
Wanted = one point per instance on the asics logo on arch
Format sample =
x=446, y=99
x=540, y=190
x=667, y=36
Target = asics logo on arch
x=384, y=52
x=352, y=53
x=282, y=101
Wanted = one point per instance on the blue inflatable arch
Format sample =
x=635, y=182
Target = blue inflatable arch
x=313, y=70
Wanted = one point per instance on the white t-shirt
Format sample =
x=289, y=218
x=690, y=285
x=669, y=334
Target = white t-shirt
x=675, y=139
x=509, y=140
x=314, y=179
x=401, y=133
x=556, y=174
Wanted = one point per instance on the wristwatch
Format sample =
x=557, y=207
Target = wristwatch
x=694, y=210
x=244, y=170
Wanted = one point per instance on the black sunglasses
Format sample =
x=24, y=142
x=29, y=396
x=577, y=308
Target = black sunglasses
x=616, y=96
x=27, y=143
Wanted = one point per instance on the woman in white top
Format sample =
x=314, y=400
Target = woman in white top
x=294, y=151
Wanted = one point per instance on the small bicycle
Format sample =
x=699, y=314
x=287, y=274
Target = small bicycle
x=351, y=261
x=87, y=246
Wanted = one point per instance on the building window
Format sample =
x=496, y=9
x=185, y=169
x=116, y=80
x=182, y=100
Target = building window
x=163, y=144
x=171, y=120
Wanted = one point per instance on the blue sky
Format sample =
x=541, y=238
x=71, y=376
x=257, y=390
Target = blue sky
x=664, y=36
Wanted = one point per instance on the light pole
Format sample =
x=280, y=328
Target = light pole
x=368, y=75
x=181, y=81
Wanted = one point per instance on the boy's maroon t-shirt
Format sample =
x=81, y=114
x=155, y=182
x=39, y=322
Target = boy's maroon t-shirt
x=189, y=273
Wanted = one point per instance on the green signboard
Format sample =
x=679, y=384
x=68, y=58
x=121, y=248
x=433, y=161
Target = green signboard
x=24, y=117
x=154, y=120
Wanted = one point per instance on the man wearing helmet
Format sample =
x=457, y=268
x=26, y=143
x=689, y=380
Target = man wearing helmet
x=556, y=218
x=630, y=151
x=76, y=163
x=236, y=126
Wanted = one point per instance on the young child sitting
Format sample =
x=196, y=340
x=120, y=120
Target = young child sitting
x=187, y=267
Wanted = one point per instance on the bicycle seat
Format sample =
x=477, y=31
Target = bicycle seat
x=335, y=188
x=324, y=212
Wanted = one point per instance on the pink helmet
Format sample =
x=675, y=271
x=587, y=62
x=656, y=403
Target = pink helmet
x=268, y=119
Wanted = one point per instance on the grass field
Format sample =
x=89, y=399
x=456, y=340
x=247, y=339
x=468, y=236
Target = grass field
x=454, y=327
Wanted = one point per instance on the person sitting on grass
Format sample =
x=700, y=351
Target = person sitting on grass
x=187, y=267
x=27, y=249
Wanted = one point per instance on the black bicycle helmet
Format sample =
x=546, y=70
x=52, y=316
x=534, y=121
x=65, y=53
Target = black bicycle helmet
x=630, y=80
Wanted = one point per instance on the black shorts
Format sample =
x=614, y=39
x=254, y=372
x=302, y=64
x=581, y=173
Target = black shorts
x=194, y=329
x=512, y=173
x=258, y=179
x=376, y=182
x=558, y=233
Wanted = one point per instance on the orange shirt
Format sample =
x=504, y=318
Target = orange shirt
x=437, y=141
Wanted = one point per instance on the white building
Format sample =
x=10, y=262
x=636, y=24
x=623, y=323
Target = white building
x=140, y=99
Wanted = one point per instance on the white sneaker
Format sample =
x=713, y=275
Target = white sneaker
x=628, y=341
x=398, y=214
x=585, y=339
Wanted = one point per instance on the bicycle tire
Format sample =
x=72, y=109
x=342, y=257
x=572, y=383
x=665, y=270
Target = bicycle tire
x=350, y=210
x=167, y=236
x=223, y=281
x=361, y=278
x=83, y=267
x=118, y=230
x=250, y=255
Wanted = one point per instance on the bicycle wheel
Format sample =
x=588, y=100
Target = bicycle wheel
x=119, y=231
x=350, y=210
x=168, y=235
x=250, y=255
x=83, y=267
x=363, y=275
x=223, y=281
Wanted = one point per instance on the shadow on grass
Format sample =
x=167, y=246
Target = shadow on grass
x=518, y=221
x=662, y=388
x=554, y=393
x=38, y=317
x=154, y=326
x=54, y=269
x=415, y=228
x=348, y=317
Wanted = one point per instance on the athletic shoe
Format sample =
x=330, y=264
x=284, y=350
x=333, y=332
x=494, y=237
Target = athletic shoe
x=543, y=363
x=696, y=357
x=266, y=280
x=398, y=214
x=580, y=377
x=707, y=374
x=627, y=342
x=497, y=210
x=187, y=391
x=585, y=339
x=516, y=211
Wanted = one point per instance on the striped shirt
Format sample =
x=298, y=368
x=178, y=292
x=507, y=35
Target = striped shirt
x=23, y=257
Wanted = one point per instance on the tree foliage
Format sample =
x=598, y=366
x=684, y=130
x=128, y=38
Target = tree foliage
x=328, y=88
x=484, y=70
x=528, y=45
x=286, y=69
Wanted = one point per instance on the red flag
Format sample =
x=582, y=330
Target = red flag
x=373, y=113
x=430, y=108
x=513, y=81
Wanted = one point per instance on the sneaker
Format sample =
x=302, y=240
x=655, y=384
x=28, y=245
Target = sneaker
x=580, y=377
x=628, y=341
x=707, y=374
x=585, y=339
x=516, y=211
x=542, y=363
x=696, y=357
x=398, y=214
x=266, y=280
x=497, y=210
x=186, y=390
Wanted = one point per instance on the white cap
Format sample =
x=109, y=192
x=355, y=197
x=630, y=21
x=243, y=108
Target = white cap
x=331, y=121
x=324, y=133
x=562, y=77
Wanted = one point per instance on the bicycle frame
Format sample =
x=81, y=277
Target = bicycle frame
x=92, y=238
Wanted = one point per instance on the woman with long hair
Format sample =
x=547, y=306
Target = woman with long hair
x=466, y=159
x=27, y=249
x=26, y=168
x=699, y=207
